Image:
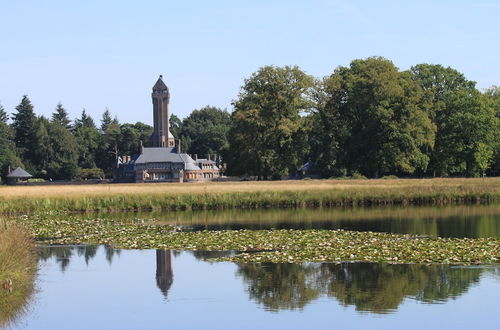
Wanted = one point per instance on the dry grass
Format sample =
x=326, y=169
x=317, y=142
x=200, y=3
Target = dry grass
x=225, y=195
x=75, y=191
x=17, y=271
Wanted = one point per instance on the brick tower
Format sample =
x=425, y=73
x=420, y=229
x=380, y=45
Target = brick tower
x=161, y=138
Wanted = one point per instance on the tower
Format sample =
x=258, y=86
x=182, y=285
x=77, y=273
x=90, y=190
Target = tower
x=161, y=137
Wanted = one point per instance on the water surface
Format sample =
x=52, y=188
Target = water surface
x=450, y=221
x=90, y=287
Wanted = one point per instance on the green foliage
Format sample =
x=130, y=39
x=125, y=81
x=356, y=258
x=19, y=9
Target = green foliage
x=8, y=155
x=91, y=173
x=56, y=151
x=175, y=126
x=372, y=120
x=25, y=133
x=60, y=116
x=87, y=139
x=84, y=121
x=463, y=120
x=277, y=246
x=204, y=131
x=268, y=137
x=492, y=100
x=36, y=180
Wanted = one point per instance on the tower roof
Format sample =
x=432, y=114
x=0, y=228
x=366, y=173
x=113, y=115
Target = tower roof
x=160, y=85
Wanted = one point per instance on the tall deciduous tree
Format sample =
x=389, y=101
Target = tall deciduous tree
x=464, y=122
x=373, y=120
x=267, y=136
x=205, y=131
x=492, y=100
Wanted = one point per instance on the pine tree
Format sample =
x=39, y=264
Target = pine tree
x=106, y=120
x=3, y=115
x=7, y=147
x=84, y=121
x=60, y=116
x=25, y=127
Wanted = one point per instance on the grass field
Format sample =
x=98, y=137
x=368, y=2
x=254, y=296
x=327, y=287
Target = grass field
x=251, y=194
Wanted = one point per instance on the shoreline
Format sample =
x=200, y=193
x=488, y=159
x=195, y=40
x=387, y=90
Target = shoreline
x=248, y=195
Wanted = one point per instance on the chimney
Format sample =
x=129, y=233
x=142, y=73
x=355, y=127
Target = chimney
x=195, y=156
x=179, y=147
x=142, y=147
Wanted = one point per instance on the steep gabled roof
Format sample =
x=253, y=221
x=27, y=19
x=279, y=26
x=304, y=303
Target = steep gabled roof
x=160, y=85
x=19, y=173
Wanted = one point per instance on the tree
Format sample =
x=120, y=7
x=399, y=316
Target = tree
x=204, y=131
x=84, y=121
x=461, y=120
x=267, y=134
x=25, y=128
x=88, y=139
x=466, y=125
x=373, y=121
x=492, y=100
x=108, y=150
x=60, y=116
x=175, y=126
x=106, y=120
x=8, y=155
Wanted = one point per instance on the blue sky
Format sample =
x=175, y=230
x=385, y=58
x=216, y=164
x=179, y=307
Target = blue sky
x=98, y=54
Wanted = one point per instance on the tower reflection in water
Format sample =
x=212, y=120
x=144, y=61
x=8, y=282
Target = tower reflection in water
x=164, y=273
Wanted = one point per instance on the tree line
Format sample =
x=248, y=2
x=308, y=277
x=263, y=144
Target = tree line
x=368, y=119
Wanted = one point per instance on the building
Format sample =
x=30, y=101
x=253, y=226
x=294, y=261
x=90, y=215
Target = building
x=163, y=161
x=18, y=176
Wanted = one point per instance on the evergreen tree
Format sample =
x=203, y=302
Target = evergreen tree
x=60, y=116
x=84, y=121
x=25, y=132
x=106, y=120
x=8, y=155
x=87, y=139
x=3, y=115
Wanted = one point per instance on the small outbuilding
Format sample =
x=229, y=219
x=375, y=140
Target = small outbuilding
x=18, y=176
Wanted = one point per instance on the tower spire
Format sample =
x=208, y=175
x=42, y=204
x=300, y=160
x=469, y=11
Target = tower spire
x=161, y=137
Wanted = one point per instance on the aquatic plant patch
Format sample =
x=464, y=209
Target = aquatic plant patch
x=293, y=246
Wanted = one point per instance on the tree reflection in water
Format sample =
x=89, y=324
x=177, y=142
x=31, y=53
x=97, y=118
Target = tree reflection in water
x=370, y=287
x=378, y=288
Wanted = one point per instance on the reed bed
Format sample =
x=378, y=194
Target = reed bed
x=226, y=195
x=17, y=271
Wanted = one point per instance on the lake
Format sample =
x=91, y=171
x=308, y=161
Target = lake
x=82, y=287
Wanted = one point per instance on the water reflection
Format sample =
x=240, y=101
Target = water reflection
x=63, y=253
x=376, y=288
x=164, y=273
x=450, y=221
